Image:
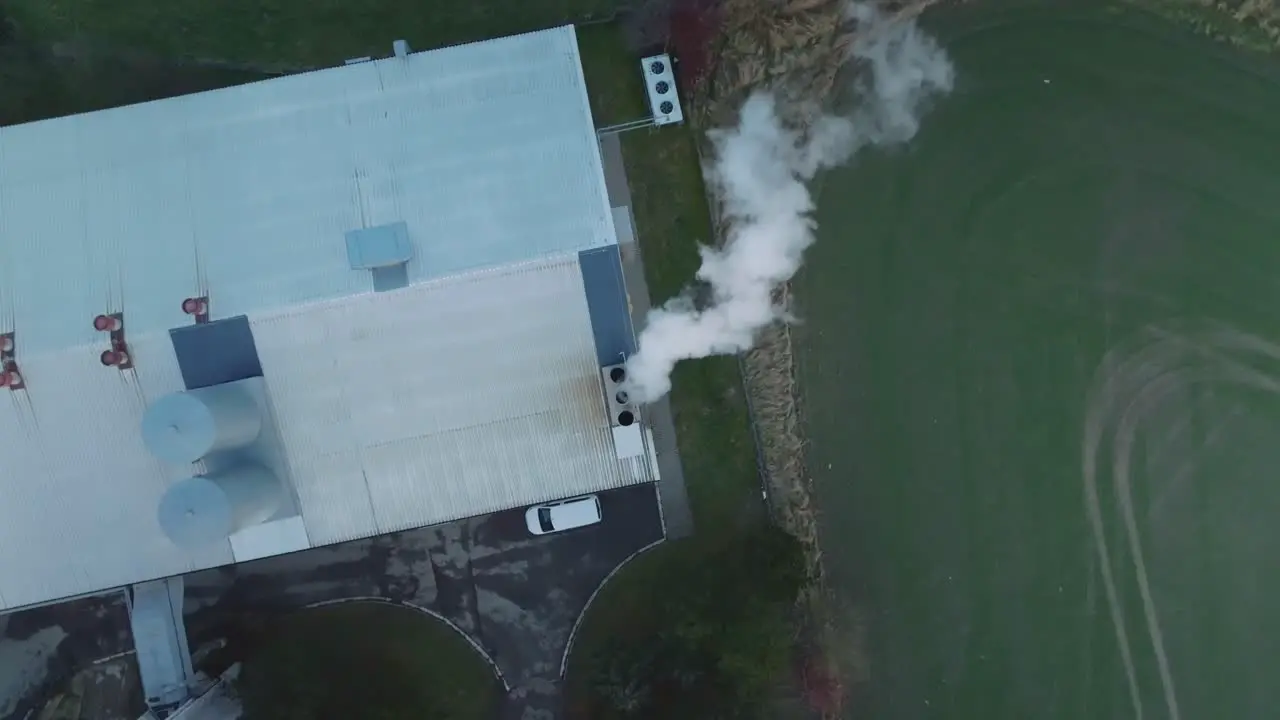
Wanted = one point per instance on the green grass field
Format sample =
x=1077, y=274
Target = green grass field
x=291, y=33
x=346, y=660
x=1094, y=203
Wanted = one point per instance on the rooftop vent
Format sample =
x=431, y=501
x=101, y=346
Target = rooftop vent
x=118, y=355
x=624, y=418
x=385, y=251
x=106, y=323
x=186, y=426
x=10, y=374
x=197, y=308
x=660, y=82
x=206, y=509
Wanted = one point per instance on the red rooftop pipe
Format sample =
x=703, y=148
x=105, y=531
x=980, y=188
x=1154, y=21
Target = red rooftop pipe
x=113, y=358
x=106, y=323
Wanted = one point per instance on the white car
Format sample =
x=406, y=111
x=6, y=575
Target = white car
x=563, y=515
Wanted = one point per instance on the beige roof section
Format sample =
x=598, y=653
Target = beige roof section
x=393, y=417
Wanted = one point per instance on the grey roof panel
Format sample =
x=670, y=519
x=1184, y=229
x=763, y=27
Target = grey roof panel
x=390, y=278
x=607, y=302
x=159, y=638
x=216, y=352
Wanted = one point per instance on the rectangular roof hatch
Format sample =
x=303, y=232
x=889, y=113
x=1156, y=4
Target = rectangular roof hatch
x=383, y=250
x=380, y=246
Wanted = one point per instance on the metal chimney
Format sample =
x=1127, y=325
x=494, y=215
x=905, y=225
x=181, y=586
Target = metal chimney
x=186, y=426
x=624, y=416
x=206, y=509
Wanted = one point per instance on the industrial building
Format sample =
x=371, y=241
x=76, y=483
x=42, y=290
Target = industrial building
x=302, y=311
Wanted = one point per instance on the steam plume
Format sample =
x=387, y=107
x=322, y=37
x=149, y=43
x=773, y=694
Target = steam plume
x=759, y=171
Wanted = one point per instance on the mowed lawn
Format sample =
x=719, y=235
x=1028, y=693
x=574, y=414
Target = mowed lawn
x=354, y=656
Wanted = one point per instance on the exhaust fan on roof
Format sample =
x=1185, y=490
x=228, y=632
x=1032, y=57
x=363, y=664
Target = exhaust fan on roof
x=660, y=81
x=624, y=417
x=622, y=413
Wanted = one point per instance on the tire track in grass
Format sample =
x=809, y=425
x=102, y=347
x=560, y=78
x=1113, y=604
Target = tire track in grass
x=1142, y=382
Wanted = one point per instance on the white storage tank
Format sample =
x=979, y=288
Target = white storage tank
x=205, y=509
x=183, y=427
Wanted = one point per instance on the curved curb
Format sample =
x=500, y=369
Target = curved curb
x=573, y=633
x=497, y=672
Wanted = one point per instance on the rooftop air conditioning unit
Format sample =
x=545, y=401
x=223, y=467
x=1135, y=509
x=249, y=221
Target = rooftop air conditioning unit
x=660, y=81
x=624, y=418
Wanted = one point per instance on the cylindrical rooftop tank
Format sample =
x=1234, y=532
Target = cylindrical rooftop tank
x=206, y=509
x=186, y=426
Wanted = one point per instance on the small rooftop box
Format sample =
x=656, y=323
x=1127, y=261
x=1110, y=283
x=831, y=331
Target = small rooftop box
x=379, y=247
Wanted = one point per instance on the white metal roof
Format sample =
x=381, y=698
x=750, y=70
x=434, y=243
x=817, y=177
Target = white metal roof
x=487, y=152
x=475, y=388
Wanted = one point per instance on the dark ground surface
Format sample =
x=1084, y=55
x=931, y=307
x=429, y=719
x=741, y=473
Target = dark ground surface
x=516, y=595
x=89, y=630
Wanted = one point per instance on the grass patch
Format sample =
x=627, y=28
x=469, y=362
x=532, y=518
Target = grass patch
x=707, y=636
x=1248, y=24
x=613, y=77
x=293, y=32
x=712, y=424
x=61, y=57
x=366, y=660
x=673, y=220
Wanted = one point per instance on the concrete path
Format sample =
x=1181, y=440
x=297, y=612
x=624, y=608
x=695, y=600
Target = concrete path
x=674, y=496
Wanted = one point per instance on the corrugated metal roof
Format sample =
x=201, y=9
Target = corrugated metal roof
x=469, y=390
x=487, y=152
x=393, y=417
x=79, y=489
x=160, y=641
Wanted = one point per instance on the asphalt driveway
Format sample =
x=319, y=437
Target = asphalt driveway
x=516, y=595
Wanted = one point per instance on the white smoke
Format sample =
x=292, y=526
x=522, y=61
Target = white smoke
x=759, y=172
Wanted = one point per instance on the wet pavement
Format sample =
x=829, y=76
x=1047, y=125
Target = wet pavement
x=80, y=648
x=515, y=595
